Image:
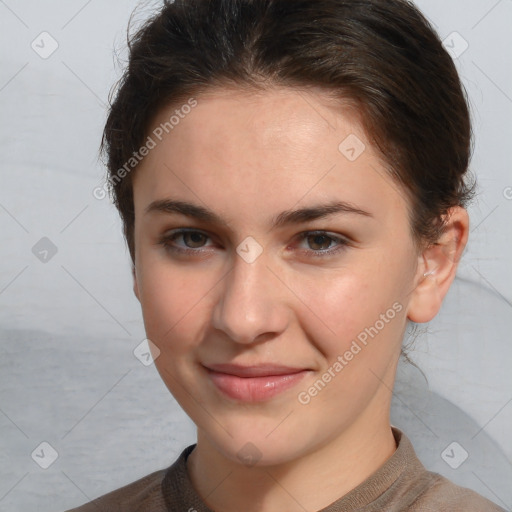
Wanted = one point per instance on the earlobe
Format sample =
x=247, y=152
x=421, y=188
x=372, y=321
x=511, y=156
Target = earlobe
x=438, y=266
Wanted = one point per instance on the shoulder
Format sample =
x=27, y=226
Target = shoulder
x=143, y=494
x=442, y=495
x=418, y=490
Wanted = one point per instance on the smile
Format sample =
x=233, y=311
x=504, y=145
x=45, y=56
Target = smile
x=254, y=384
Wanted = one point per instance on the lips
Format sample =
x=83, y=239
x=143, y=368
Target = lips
x=260, y=370
x=254, y=383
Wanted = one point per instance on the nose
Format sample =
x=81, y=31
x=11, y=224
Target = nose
x=251, y=302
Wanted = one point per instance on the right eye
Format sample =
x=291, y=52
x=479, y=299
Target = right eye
x=192, y=239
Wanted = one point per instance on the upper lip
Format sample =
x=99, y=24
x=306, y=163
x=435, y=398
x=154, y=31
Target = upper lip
x=259, y=370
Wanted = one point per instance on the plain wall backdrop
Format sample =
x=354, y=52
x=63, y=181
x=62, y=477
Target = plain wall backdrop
x=69, y=322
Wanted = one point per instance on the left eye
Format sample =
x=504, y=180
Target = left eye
x=320, y=242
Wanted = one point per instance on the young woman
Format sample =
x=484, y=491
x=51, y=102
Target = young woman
x=291, y=178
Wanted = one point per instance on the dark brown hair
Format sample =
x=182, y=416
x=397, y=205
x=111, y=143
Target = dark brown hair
x=381, y=55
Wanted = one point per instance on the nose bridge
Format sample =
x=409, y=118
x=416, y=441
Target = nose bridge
x=249, y=303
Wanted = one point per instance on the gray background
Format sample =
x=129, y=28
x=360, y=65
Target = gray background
x=69, y=325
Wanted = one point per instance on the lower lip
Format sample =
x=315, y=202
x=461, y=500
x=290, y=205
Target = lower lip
x=254, y=389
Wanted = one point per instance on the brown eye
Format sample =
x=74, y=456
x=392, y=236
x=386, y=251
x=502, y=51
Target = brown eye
x=319, y=242
x=185, y=241
x=322, y=244
x=193, y=239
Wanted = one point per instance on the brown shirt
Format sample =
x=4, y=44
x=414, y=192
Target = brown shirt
x=401, y=484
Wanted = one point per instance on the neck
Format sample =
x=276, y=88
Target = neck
x=310, y=482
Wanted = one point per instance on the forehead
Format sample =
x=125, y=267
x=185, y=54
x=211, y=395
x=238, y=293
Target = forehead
x=277, y=119
x=274, y=148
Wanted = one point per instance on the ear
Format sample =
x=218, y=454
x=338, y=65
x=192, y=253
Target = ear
x=437, y=267
x=135, y=285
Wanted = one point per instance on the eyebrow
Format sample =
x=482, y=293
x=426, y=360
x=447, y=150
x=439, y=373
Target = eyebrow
x=298, y=216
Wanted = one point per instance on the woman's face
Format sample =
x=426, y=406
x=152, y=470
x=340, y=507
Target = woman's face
x=296, y=268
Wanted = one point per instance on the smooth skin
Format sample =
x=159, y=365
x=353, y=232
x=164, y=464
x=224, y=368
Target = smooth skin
x=248, y=157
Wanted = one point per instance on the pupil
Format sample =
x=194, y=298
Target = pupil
x=196, y=238
x=317, y=239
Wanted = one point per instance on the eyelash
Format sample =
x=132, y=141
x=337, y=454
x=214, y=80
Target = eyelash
x=171, y=237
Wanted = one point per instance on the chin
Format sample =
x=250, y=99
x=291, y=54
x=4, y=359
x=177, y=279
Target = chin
x=251, y=446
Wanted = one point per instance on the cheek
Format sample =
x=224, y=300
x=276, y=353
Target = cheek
x=368, y=319
x=360, y=315
x=173, y=302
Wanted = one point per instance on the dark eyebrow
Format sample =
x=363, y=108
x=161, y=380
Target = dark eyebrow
x=298, y=216
x=185, y=208
x=310, y=213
